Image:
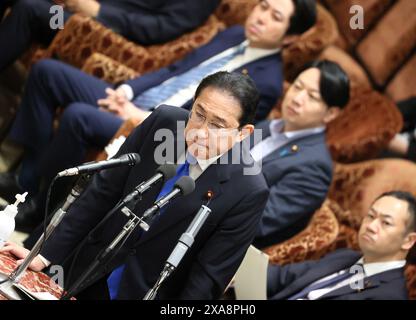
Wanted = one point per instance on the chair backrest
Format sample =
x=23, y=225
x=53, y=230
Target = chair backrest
x=312, y=242
x=355, y=186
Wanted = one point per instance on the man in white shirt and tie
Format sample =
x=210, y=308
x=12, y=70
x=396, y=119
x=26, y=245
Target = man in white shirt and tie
x=387, y=233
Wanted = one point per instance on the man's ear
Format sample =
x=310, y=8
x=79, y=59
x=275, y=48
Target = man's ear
x=289, y=39
x=409, y=241
x=245, y=132
x=331, y=114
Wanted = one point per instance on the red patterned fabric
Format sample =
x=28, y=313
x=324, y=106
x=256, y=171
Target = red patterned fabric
x=33, y=281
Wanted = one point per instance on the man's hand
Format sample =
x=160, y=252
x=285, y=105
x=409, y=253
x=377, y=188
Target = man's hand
x=89, y=8
x=116, y=102
x=20, y=253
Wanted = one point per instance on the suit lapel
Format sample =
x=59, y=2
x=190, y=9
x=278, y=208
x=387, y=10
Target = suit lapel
x=295, y=146
x=323, y=269
x=369, y=283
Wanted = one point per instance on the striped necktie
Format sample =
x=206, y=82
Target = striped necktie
x=154, y=96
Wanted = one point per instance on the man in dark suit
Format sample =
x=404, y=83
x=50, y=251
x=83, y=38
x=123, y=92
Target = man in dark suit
x=386, y=235
x=295, y=160
x=141, y=21
x=220, y=119
x=254, y=49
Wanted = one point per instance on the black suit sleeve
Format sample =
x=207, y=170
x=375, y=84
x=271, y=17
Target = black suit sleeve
x=299, y=193
x=281, y=277
x=223, y=253
x=169, y=21
x=99, y=198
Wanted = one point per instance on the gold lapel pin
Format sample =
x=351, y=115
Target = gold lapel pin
x=244, y=71
x=295, y=148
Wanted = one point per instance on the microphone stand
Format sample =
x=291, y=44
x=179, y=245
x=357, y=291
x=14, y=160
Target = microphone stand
x=132, y=199
x=128, y=228
x=185, y=242
x=8, y=288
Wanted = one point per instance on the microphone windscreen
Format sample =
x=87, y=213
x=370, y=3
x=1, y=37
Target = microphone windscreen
x=186, y=184
x=168, y=170
x=133, y=158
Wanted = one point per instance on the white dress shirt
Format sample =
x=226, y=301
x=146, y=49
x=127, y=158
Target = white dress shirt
x=278, y=139
x=197, y=166
x=186, y=94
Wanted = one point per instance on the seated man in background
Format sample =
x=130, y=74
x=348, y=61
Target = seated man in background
x=254, y=49
x=387, y=233
x=295, y=160
x=144, y=22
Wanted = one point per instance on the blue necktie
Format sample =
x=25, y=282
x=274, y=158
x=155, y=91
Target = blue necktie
x=153, y=97
x=113, y=281
x=322, y=284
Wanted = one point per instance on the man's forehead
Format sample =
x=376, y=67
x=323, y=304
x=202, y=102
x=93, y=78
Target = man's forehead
x=310, y=78
x=284, y=7
x=390, y=207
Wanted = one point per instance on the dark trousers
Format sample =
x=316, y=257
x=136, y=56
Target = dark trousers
x=28, y=21
x=52, y=84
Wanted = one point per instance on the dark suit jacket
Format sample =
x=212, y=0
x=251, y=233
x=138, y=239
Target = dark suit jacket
x=284, y=282
x=156, y=21
x=265, y=72
x=220, y=246
x=298, y=181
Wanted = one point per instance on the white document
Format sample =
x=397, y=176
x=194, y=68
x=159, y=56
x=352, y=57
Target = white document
x=250, y=281
x=35, y=295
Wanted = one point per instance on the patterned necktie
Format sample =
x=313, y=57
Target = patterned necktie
x=113, y=281
x=153, y=97
x=322, y=284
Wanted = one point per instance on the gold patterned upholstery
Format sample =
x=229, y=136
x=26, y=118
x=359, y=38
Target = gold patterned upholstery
x=108, y=69
x=83, y=36
x=312, y=242
x=365, y=127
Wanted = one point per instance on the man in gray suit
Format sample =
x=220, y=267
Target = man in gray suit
x=295, y=160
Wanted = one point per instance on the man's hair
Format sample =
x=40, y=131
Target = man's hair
x=411, y=202
x=334, y=84
x=240, y=87
x=304, y=16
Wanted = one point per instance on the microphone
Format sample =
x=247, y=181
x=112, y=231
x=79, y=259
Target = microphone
x=188, y=237
x=165, y=172
x=185, y=242
x=183, y=186
x=129, y=159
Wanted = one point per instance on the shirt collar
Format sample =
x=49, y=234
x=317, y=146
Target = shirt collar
x=373, y=268
x=202, y=163
x=257, y=53
x=277, y=125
